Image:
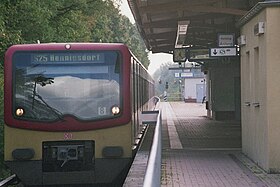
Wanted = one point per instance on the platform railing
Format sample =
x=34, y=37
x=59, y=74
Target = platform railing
x=153, y=171
x=146, y=167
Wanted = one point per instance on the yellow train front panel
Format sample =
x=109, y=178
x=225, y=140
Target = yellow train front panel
x=23, y=138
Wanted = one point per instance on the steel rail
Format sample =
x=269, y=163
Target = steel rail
x=8, y=180
x=153, y=171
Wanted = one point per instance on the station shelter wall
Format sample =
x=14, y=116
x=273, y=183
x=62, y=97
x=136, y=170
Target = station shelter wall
x=260, y=90
x=222, y=94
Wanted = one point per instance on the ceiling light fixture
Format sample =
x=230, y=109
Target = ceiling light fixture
x=181, y=33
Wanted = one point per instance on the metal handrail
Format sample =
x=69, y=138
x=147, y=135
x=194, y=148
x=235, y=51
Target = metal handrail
x=153, y=171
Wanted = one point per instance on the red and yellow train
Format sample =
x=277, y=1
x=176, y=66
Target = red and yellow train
x=72, y=111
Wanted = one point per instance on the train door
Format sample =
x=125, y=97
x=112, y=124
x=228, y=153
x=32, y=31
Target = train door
x=141, y=89
x=133, y=92
x=199, y=92
x=137, y=99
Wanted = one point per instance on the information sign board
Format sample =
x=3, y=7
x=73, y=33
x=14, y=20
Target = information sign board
x=223, y=52
x=226, y=40
x=198, y=54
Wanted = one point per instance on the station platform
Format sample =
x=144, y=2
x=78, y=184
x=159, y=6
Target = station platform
x=198, y=151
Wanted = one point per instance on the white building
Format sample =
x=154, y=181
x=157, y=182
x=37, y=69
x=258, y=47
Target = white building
x=194, y=85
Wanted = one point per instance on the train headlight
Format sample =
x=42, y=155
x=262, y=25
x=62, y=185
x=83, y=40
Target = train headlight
x=68, y=46
x=19, y=111
x=115, y=110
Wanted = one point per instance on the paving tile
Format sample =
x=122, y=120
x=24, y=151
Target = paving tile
x=210, y=154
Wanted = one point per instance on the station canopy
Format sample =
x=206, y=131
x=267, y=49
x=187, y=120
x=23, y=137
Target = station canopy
x=168, y=24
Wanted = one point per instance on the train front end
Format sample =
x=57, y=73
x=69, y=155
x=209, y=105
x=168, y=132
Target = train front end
x=67, y=113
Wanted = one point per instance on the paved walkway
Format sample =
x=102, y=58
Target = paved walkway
x=198, y=151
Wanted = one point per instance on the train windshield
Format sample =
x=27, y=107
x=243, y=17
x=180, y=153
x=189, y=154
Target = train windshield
x=51, y=85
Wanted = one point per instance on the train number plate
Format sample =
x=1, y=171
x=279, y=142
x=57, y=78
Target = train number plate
x=101, y=111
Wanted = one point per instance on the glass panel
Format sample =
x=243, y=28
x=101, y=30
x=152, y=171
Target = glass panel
x=48, y=86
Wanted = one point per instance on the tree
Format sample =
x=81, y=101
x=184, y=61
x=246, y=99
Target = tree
x=8, y=35
x=111, y=26
x=26, y=21
x=163, y=75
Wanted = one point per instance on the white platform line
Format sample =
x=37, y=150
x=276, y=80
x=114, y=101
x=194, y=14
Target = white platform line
x=175, y=142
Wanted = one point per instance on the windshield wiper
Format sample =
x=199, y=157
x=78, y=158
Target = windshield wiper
x=43, y=81
x=55, y=111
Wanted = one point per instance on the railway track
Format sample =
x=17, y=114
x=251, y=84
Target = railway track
x=9, y=181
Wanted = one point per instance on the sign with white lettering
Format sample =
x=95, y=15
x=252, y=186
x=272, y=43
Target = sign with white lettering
x=186, y=74
x=51, y=58
x=183, y=74
x=198, y=54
